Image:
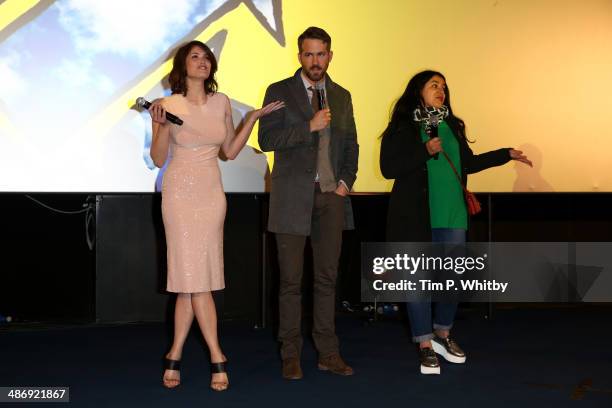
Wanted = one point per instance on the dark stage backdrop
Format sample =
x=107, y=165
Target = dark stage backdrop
x=131, y=259
x=48, y=272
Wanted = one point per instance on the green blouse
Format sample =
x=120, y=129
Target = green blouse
x=446, y=202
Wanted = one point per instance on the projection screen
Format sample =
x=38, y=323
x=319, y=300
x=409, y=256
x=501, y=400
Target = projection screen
x=534, y=75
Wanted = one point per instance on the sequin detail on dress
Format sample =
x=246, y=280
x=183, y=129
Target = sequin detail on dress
x=193, y=200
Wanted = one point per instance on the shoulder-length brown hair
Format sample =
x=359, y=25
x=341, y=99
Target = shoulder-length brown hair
x=178, y=75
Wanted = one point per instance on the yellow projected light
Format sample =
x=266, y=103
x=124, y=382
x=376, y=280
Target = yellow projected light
x=529, y=75
x=11, y=10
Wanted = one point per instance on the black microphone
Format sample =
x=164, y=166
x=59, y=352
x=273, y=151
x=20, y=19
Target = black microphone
x=321, y=93
x=143, y=103
x=432, y=131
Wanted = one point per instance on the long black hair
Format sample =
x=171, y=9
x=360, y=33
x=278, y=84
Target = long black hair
x=402, y=114
x=178, y=75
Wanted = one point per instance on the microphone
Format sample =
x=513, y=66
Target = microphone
x=432, y=131
x=143, y=103
x=321, y=92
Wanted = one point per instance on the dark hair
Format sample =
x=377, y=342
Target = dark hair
x=314, y=33
x=411, y=99
x=178, y=75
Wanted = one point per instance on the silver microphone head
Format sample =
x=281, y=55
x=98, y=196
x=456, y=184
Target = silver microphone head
x=140, y=101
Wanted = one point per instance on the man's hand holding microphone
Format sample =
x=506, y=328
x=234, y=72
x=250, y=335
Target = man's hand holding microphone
x=320, y=120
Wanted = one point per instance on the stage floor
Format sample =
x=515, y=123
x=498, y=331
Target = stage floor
x=523, y=358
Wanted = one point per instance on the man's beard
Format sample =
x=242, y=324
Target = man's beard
x=315, y=77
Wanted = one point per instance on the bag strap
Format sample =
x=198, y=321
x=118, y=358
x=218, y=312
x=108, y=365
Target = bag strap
x=455, y=171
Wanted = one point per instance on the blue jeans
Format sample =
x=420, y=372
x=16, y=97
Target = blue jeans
x=420, y=313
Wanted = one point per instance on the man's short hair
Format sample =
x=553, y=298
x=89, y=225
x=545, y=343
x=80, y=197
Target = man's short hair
x=314, y=33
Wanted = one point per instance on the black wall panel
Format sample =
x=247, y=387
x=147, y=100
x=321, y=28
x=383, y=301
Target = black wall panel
x=48, y=272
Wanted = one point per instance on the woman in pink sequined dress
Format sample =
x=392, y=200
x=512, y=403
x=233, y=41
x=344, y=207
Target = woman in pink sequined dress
x=193, y=200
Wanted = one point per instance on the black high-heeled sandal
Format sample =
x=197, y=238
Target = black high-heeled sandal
x=218, y=368
x=173, y=365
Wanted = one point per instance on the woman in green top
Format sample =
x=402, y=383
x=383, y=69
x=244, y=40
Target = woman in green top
x=427, y=203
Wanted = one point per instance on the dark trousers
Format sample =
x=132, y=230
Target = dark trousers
x=326, y=241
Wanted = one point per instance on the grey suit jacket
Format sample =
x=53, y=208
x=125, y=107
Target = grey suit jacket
x=287, y=133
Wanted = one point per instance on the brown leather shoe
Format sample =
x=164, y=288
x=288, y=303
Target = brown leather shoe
x=335, y=364
x=292, y=369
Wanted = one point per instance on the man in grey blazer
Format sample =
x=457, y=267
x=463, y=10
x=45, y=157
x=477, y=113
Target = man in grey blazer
x=315, y=165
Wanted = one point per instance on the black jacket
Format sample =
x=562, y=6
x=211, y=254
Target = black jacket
x=286, y=132
x=403, y=157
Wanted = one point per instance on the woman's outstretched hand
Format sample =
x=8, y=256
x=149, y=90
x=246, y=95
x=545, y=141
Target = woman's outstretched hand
x=519, y=156
x=269, y=108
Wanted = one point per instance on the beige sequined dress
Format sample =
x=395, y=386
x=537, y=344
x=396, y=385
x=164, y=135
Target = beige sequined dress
x=193, y=200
